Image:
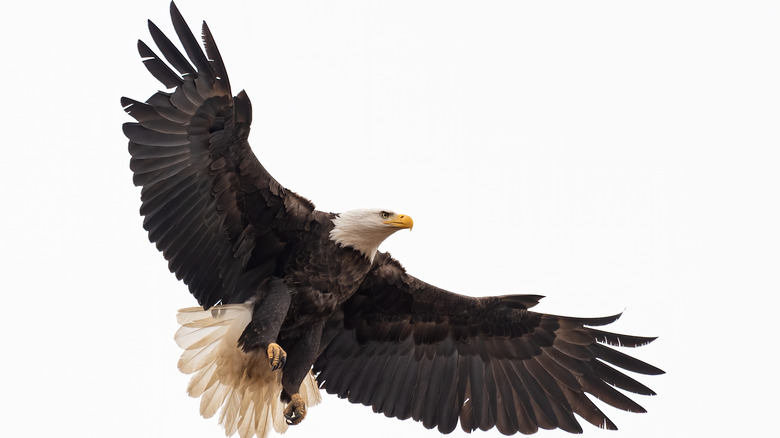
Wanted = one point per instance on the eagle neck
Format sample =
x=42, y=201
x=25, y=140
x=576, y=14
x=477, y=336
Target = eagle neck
x=353, y=233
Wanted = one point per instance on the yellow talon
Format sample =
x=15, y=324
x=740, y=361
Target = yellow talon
x=276, y=356
x=295, y=411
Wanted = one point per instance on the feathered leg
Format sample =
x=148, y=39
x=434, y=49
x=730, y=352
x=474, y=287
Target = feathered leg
x=303, y=354
x=268, y=314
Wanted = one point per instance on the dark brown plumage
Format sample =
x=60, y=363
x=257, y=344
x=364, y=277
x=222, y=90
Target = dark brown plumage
x=410, y=349
x=375, y=334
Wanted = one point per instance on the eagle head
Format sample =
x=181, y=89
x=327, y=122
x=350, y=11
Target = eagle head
x=364, y=230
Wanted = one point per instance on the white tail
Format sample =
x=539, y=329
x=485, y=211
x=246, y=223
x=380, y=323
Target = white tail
x=242, y=384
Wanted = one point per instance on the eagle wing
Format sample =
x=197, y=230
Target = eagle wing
x=217, y=215
x=410, y=349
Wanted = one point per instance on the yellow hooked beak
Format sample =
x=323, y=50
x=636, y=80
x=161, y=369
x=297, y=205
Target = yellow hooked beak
x=400, y=221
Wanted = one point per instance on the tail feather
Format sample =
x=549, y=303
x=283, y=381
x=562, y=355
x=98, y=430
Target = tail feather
x=265, y=418
x=241, y=384
x=202, y=338
x=213, y=399
x=229, y=415
x=246, y=422
x=202, y=380
x=216, y=316
x=195, y=359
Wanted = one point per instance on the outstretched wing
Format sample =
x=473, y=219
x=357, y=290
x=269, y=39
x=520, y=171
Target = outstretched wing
x=410, y=349
x=216, y=214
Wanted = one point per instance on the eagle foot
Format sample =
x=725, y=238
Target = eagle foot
x=295, y=411
x=276, y=356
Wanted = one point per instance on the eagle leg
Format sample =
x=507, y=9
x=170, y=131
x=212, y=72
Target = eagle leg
x=268, y=312
x=295, y=411
x=303, y=353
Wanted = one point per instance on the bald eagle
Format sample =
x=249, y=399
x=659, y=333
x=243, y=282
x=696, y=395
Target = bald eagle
x=293, y=299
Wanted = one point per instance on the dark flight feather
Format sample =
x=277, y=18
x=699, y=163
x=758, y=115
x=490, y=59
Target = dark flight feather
x=191, y=45
x=157, y=67
x=198, y=174
x=170, y=52
x=614, y=377
x=506, y=367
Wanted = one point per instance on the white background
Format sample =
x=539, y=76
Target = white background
x=611, y=155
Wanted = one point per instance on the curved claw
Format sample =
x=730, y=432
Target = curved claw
x=295, y=411
x=277, y=357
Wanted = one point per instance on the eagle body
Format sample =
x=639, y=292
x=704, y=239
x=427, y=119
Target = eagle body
x=309, y=268
x=305, y=270
x=293, y=300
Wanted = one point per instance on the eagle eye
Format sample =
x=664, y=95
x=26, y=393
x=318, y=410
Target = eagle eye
x=384, y=215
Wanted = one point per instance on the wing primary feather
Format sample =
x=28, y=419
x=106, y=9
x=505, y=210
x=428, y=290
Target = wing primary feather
x=170, y=52
x=576, y=336
x=609, y=395
x=222, y=81
x=623, y=360
x=546, y=381
x=562, y=375
x=536, y=394
x=618, y=340
x=190, y=44
x=566, y=419
x=157, y=67
x=569, y=363
x=585, y=408
x=604, y=320
x=578, y=352
x=614, y=377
